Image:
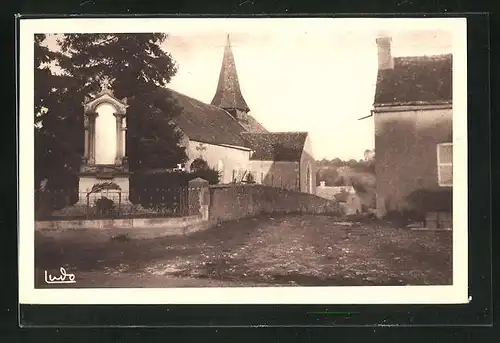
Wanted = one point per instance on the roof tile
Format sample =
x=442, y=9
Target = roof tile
x=415, y=80
x=276, y=146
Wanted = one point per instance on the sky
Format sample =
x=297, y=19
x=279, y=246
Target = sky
x=314, y=78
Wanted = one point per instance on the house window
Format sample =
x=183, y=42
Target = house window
x=445, y=164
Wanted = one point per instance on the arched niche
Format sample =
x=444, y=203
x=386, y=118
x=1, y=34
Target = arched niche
x=105, y=134
x=105, y=127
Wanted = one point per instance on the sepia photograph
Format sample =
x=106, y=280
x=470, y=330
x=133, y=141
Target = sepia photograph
x=285, y=160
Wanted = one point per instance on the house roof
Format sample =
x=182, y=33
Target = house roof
x=415, y=80
x=206, y=123
x=228, y=94
x=276, y=146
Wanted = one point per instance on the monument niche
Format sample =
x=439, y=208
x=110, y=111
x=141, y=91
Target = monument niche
x=104, y=169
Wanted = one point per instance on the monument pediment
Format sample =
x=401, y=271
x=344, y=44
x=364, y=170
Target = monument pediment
x=105, y=97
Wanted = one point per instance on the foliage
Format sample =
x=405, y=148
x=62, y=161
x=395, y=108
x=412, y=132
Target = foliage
x=56, y=147
x=336, y=172
x=329, y=175
x=341, y=181
x=210, y=174
x=171, y=180
x=199, y=164
x=139, y=69
x=358, y=186
x=360, y=166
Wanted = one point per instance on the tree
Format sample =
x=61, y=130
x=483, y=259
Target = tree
x=352, y=163
x=328, y=174
x=54, y=143
x=139, y=70
x=336, y=162
x=341, y=181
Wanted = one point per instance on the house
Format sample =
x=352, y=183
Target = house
x=231, y=140
x=346, y=196
x=413, y=116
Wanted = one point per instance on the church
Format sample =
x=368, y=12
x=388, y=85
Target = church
x=226, y=136
x=223, y=134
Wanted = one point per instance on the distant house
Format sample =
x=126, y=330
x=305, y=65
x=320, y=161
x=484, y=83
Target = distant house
x=345, y=195
x=413, y=116
x=226, y=136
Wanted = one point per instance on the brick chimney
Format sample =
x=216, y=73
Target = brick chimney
x=385, y=60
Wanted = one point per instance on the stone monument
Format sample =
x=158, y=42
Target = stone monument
x=104, y=165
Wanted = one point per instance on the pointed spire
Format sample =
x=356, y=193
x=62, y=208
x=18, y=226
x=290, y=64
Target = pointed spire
x=228, y=94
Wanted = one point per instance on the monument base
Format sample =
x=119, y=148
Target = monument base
x=118, y=186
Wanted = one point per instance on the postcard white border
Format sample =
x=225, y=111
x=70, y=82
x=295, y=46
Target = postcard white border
x=456, y=293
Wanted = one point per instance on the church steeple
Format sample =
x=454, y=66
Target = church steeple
x=228, y=94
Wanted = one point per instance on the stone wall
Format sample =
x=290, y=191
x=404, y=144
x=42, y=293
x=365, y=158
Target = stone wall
x=132, y=228
x=228, y=202
x=207, y=205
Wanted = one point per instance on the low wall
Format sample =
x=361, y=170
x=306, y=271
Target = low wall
x=132, y=223
x=207, y=205
x=229, y=202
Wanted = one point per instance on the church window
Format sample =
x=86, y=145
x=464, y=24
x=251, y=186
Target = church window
x=220, y=168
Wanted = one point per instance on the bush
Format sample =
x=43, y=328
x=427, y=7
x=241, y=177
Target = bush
x=209, y=174
x=199, y=164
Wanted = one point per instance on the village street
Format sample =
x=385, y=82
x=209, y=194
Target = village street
x=302, y=250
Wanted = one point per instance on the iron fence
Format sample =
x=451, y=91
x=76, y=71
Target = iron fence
x=72, y=204
x=161, y=201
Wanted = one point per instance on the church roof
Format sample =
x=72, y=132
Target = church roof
x=415, y=80
x=250, y=124
x=228, y=94
x=276, y=146
x=206, y=123
x=213, y=125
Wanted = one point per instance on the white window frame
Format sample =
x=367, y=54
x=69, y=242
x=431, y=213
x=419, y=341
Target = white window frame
x=440, y=164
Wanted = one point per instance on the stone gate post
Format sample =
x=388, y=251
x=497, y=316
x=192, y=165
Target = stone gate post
x=198, y=198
